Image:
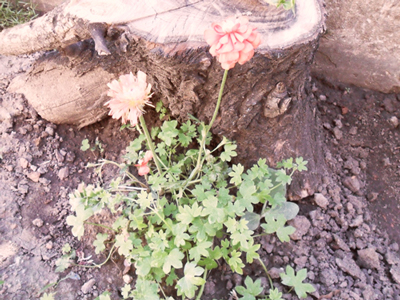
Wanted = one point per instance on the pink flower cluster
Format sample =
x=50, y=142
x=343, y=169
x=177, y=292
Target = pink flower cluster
x=232, y=41
x=129, y=96
x=143, y=168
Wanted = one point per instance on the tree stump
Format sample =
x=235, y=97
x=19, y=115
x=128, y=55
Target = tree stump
x=265, y=107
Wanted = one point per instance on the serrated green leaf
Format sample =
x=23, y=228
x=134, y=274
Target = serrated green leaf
x=236, y=174
x=187, y=285
x=253, y=220
x=46, y=296
x=85, y=145
x=174, y=259
x=296, y=281
x=125, y=291
x=169, y=132
x=199, y=250
x=228, y=152
x=99, y=242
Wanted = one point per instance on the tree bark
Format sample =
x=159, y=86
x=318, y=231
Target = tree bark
x=265, y=107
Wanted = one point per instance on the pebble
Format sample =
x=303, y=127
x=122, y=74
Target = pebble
x=322, y=97
x=38, y=222
x=349, y=266
x=337, y=133
x=85, y=289
x=357, y=221
x=23, y=162
x=127, y=278
x=34, y=176
x=302, y=224
x=49, y=245
x=49, y=131
x=321, y=200
x=63, y=173
x=368, y=258
x=372, y=196
x=394, y=121
x=395, y=271
x=352, y=183
x=353, y=130
x=274, y=272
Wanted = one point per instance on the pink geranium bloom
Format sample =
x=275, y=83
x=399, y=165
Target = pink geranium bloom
x=232, y=41
x=129, y=94
x=143, y=168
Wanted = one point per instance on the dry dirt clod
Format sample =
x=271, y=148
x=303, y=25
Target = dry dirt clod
x=352, y=183
x=87, y=287
x=368, y=258
x=321, y=200
x=63, y=173
x=38, y=222
x=302, y=224
x=34, y=176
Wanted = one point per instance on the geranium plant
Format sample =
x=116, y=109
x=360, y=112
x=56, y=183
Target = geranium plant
x=194, y=207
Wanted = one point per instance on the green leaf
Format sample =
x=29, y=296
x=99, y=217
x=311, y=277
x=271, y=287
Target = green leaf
x=66, y=249
x=171, y=278
x=174, y=259
x=235, y=262
x=288, y=209
x=253, y=220
x=85, y=145
x=252, y=290
x=200, y=249
x=104, y=296
x=169, y=132
x=277, y=224
x=229, y=152
x=282, y=177
x=301, y=164
x=143, y=266
x=125, y=291
x=236, y=174
x=275, y=294
x=99, y=242
x=251, y=251
x=296, y=281
x=187, y=284
x=123, y=243
x=47, y=296
x=246, y=191
x=187, y=214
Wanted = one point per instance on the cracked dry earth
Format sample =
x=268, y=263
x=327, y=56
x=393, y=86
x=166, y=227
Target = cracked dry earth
x=346, y=234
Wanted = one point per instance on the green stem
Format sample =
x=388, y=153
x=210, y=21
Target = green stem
x=204, y=137
x=150, y=143
x=266, y=271
x=202, y=287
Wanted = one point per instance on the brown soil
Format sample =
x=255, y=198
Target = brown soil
x=349, y=244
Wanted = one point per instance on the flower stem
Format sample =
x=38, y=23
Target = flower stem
x=266, y=271
x=221, y=91
x=150, y=143
x=203, y=285
x=208, y=128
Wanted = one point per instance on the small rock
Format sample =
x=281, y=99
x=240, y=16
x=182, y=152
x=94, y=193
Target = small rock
x=369, y=293
x=59, y=157
x=392, y=258
x=70, y=157
x=49, y=245
x=328, y=277
x=353, y=130
x=50, y=131
x=23, y=162
x=337, y=133
x=340, y=243
x=34, y=176
x=386, y=162
x=338, y=123
x=394, y=121
x=38, y=222
x=85, y=289
x=127, y=278
x=322, y=97
x=395, y=271
x=23, y=188
x=321, y=200
x=368, y=258
x=302, y=224
x=352, y=183
x=349, y=266
x=63, y=173
x=357, y=221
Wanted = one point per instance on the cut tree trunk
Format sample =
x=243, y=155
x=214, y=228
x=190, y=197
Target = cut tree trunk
x=265, y=107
